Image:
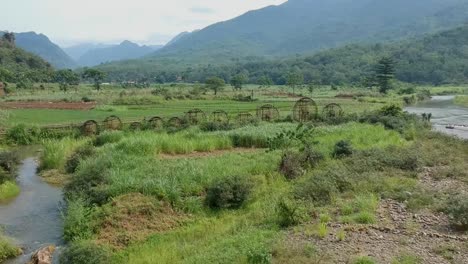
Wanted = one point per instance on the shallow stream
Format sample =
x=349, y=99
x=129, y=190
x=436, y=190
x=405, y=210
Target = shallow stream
x=33, y=219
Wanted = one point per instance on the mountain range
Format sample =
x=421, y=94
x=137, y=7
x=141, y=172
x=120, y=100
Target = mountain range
x=98, y=54
x=40, y=45
x=305, y=26
x=88, y=54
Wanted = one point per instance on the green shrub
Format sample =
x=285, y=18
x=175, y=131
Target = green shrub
x=318, y=188
x=364, y=260
x=289, y=213
x=85, y=253
x=89, y=182
x=8, y=165
x=108, y=137
x=228, y=193
x=311, y=157
x=77, y=221
x=23, y=135
x=457, y=210
x=8, y=190
x=407, y=259
x=291, y=165
x=259, y=256
x=80, y=154
x=342, y=149
x=7, y=250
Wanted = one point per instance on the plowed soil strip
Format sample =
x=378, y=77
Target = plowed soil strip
x=49, y=105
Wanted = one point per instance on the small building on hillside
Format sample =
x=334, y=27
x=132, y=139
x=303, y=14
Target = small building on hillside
x=2, y=89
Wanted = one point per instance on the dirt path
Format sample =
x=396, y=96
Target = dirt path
x=398, y=232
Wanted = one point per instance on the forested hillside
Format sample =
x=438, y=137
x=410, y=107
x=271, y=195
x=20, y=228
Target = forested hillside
x=437, y=59
x=17, y=64
x=41, y=45
x=301, y=26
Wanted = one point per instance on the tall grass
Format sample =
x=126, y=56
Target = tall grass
x=172, y=180
x=56, y=152
x=361, y=137
x=147, y=143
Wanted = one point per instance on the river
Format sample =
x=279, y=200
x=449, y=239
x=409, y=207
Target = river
x=33, y=219
x=444, y=112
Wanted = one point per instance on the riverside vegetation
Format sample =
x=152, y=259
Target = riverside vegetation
x=257, y=193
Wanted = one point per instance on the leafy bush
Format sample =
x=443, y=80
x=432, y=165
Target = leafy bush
x=228, y=193
x=85, y=253
x=457, y=210
x=80, y=154
x=342, y=149
x=8, y=165
x=23, y=135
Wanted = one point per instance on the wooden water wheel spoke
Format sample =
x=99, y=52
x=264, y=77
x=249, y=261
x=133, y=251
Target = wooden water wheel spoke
x=305, y=110
x=244, y=117
x=268, y=113
x=195, y=116
x=90, y=128
x=156, y=122
x=113, y=123
x=135, y=126
x=174, y=122
x=332, y=110
x=219, y=116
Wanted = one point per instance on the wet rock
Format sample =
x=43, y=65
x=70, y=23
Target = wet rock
x=43, y=255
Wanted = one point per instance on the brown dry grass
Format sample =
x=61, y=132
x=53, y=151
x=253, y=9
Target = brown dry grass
x=134, y=217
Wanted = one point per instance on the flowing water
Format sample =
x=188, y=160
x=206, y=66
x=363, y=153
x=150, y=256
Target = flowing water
x=32, y=219
x=445, y=112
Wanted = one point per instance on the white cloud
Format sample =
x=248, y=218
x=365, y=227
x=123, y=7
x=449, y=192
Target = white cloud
x=70, y=21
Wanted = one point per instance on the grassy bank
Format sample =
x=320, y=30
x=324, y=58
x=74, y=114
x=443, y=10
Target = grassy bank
x=8, y=190
x=7, y=250
x=461, y=100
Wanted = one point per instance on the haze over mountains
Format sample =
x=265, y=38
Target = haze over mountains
x=40, y=45
x=88, y=54
x=296, y=27
x=123, y=51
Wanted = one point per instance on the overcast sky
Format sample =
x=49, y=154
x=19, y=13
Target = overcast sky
x=69, y=22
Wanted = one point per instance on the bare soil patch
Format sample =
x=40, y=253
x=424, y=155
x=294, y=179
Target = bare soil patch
x=425, y=235
x=49, y=105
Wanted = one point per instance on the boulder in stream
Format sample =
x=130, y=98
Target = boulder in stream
x=43, y=255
